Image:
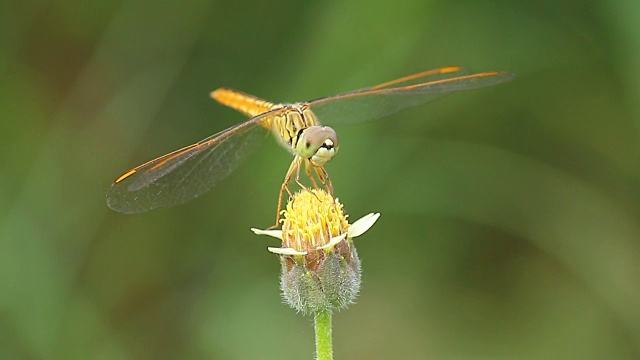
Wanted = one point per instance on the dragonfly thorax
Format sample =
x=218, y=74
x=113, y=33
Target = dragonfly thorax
x=318, y=144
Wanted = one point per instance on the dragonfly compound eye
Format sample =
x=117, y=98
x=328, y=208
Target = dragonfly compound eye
x=318, y=144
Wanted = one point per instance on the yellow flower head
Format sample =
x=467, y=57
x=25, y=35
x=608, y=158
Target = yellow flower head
x=320, y=265
x=311, y=220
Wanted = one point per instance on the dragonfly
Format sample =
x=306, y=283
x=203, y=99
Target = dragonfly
x=191, y=171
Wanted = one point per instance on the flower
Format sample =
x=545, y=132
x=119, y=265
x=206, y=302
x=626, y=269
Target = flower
x=320, y=265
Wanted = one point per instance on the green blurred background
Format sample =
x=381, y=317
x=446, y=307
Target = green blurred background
x=509, y=225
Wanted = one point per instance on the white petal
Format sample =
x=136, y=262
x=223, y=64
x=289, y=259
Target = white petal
x=286, y=251
x=334, y=241
x=275, y=233
x=362, y=225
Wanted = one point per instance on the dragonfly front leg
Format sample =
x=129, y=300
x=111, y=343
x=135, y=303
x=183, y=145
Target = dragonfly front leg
x=313, y=181
x=303, y=186
x=307, y=169
x=323, y=175
x=293, y=168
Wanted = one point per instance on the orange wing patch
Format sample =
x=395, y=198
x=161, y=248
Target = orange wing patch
x=125, y=175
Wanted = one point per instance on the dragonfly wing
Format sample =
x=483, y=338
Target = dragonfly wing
x=186, y=173
x=421, y=78
x=394, y=96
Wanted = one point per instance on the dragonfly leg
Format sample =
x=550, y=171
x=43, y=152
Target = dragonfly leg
x=323, y=175
x=293, y=168
x=307, y=169
x=303, y=186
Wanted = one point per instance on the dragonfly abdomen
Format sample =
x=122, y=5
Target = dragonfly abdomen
x=285, y=124
x=246, y=104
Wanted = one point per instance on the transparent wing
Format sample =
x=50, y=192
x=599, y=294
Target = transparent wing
x=394, y=96
x=186, y=173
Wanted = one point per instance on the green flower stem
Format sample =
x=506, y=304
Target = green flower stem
x=324, y=346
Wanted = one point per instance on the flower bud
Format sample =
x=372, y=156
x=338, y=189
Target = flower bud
x=320, y=265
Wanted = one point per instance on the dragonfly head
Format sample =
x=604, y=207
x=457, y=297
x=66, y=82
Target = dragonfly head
x=318, y=144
